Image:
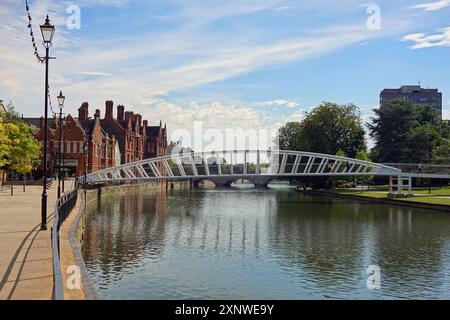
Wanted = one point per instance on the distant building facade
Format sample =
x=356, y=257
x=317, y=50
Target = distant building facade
x=111, y=141
x=101, y=148
x=137, y=140
x=413, y=94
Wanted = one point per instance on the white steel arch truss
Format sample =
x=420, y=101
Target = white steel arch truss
x=240, y=164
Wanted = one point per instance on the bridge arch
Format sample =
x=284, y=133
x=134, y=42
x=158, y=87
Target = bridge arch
x=258, y=166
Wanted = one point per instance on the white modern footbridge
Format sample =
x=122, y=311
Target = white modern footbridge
x=259, y=167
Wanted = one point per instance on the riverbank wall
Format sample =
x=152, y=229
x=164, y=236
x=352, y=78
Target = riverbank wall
x=402, y=203
x=72, y=235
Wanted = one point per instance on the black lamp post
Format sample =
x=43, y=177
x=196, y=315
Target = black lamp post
x=61, y=99
x=47, y=30
x=63, y=156
x=86, y=158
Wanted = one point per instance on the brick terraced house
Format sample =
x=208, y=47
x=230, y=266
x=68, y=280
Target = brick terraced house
x=111, y=141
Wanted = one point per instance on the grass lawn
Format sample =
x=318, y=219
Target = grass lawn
x=422, y=195
x=434, y=200
x=363, y=194
x=444, y=191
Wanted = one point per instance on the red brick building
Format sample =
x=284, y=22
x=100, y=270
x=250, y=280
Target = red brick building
x=127, y=127
x=101, y=147
x=155, y=140
x=137, y=141
x=112, y=141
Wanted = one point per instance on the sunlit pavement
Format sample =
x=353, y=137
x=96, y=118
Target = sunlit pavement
x=25, y=250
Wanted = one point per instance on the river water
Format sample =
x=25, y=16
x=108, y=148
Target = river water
x=263, y=244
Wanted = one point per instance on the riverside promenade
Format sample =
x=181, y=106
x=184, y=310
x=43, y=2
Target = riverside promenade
x=25, y=251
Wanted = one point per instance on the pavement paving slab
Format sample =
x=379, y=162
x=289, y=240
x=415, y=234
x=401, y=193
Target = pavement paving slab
x=26, y=271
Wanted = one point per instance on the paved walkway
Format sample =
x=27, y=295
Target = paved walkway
x=25, y=251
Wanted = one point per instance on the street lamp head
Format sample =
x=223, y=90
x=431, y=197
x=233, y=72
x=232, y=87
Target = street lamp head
x=47, y=30
x=61, y=99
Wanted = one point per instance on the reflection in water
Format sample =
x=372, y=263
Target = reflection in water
x=262, y=244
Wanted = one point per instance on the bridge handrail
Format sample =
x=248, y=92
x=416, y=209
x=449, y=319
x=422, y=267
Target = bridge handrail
x=63, y=207
x=447, y=166
x=279, y=152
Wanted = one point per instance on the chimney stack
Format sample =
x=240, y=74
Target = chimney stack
x=97, y=113
x=109, y=109
x=120, y=112
x=139, y=121
x=129, y=115
x=83, y=111
x=41, y=122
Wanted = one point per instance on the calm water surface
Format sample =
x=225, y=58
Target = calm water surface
x=262, y=244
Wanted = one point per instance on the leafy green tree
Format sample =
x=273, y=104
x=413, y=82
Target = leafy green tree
x=4, y=151
x=441, y=152
x=326, y=129
x=404, y=132
x=290, y=135
x=11, y=114
x=4, y=144
x=341, y=153
x=23, y=150
x=362, y=155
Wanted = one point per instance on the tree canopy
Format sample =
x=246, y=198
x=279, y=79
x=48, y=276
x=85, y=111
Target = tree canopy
x=408, y=133
x=327, y=129
x=19, y=150
x=4, y=144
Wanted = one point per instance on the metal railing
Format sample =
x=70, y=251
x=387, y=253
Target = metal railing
x=64, y=206
x=419, y=168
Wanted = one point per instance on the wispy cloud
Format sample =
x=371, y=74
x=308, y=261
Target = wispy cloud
x=195, y=44
x=433, y=6
x=94, y=73
x=288, y=103
x=422, y=41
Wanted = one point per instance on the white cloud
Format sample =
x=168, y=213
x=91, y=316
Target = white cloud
x=433, y=6
x=192, y=122
x=280, y=103
x=136, y=71
x=94, y=73
x=446, y=112
x=422, y=41
x=214, y=115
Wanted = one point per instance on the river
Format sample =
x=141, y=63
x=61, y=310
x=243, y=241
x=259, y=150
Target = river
x=263, y=244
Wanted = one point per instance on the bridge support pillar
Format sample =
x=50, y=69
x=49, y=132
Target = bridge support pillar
x=410, y=193
x=397, y=186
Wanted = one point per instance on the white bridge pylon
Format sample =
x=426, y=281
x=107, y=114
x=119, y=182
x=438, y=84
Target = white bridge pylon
x=235, y=165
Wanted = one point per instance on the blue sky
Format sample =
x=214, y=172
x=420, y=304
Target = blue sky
x=235, y=63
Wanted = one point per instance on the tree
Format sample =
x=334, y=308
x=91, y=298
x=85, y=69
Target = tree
x=288, y=136
x=330, y=129
x=4, y=150
x=11, y=114
x=4, y=145
x=441, y=152
x=327, y=129
x=404, y=132
x=362, y=155
x=23, y=150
